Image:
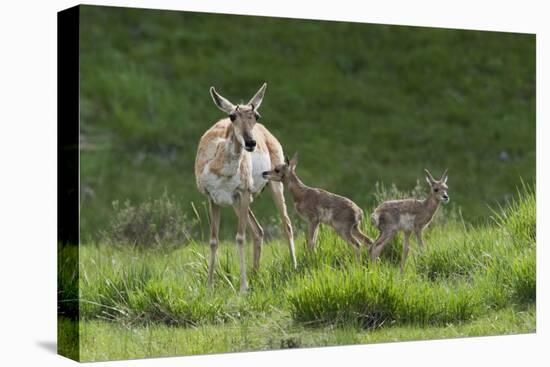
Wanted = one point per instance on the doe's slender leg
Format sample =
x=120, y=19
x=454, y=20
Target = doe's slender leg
x=258, y=235
x=279, y=198
x=242, y=214
x=214, y=228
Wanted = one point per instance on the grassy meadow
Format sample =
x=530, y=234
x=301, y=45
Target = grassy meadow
x=367, y=107
x=470, y=281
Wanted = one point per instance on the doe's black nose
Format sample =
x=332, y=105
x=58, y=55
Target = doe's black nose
x=250, y=143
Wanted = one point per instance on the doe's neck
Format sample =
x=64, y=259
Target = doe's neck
x=233, y=145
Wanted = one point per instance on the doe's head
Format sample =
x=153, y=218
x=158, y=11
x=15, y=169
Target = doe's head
x=282, y=171
x=243, y=117
x=439, y=187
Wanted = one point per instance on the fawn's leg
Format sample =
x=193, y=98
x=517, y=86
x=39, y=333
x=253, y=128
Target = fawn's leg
x=381, y=241
x=279, y=197
x=214, y=228
x=406, y=236
x=258, y=235
x=312, y=235
x=354, y=242
x=242, y=213
x=356, y=232
x=418, y=233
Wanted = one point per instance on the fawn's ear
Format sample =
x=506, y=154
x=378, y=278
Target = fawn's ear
x=444, y=177
x=222, y=103
x=429, y=178
x=294, y=161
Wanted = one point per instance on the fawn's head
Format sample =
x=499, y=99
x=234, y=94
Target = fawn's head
x=281, y=172
x=243, y=117
x=439, y=187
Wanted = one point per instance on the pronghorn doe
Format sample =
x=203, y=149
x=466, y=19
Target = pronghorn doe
x=231, y=157
x=318, y=206
x=408, y=215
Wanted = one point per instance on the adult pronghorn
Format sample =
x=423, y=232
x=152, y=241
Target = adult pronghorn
x=231, y=157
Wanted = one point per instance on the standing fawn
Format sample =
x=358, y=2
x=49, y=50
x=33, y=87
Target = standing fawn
x=318, y=206
x=231, y=157
x=408, y=215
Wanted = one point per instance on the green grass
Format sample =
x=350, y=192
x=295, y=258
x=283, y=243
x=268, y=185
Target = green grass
x=104, y=340
x=379, y=103
x=374, y=298
x=472, y=280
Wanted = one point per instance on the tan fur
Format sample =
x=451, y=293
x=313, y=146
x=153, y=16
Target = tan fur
x=318, y=206
x=224, y=173
x=408, y=215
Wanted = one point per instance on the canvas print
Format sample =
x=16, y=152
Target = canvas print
x=233, y=183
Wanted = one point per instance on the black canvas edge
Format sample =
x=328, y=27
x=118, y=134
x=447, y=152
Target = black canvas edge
x=68, y=32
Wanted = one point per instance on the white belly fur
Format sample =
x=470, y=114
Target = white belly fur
x=260, y=164
x=224, y=190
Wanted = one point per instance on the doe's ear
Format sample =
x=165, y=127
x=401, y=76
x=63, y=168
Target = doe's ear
x=256, y=101
x=294, y=161
x=429, y=178
x=222, y=103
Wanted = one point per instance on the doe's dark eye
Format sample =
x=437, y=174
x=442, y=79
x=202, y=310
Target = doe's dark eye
x=436, y=190
x=232, y=116
x=276, y=171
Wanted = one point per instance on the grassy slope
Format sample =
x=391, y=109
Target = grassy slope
x=376, y=102
x=472, y=280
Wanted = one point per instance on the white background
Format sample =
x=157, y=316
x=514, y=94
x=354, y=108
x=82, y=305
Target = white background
x=28, y=181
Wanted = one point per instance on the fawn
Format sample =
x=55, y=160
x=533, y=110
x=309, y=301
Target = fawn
x=318, y=206
x=408, y=215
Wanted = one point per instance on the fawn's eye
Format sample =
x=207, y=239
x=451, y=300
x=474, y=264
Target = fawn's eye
x=232, y=116
x=276, y=170
x=436, y=190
